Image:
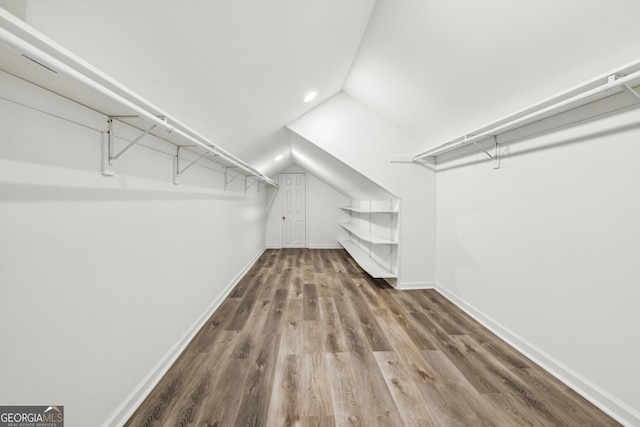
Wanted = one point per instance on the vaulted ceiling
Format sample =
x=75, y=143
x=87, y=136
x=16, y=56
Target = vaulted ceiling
x=237, y=70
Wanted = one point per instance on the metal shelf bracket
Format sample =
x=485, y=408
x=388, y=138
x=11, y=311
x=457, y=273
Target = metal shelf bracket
x=247, y=187
x=176, y=165
x=228, y=181
x=496, y=153
x=108, y=147
x=632, y=91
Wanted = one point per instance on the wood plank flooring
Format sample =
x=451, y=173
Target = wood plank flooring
x=307, y=339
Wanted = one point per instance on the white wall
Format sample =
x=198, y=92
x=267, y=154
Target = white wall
x=546, y=250
x=100, y=278
x=334, y=172
x=323, y=214
x=364, y=141
x=273, y=218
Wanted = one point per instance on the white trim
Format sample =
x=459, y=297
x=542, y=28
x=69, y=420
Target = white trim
x=129, y=405
x=609, y=404
x=404, y=286
x=306, y=209
x=274, y=247
x=325, y=246
x=399, y=282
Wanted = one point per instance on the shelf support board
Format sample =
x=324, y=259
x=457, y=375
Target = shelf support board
x=496, y=153
x=176, y=167
x=106, y=145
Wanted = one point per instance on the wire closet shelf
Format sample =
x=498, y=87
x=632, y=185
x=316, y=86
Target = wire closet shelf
x=99, y=90
x=624, y=79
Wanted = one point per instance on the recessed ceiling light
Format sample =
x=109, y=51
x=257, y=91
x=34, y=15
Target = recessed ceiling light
x=277, y=159
x=310, y=96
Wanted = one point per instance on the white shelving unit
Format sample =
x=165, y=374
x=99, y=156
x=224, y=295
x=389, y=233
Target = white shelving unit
x=373, y=236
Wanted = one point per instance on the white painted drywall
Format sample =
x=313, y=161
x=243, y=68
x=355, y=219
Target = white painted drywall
x=101, y=277
x=364, y=141
x=334, y=172
x=546, y=250
x=273, y=230
x=323, y=214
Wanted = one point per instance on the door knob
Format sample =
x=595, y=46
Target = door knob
x=284, y=217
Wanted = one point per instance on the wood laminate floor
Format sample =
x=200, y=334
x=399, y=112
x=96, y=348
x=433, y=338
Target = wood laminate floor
x=307, y=339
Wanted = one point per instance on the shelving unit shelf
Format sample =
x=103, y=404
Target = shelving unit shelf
x=367, y=264
x=373, y=236
x=368, y=210
x=367, y=235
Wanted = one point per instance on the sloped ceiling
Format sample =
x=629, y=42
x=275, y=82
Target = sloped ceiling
x=237, y=71
x=289, y=148
x=441, y=68
x=333, y=172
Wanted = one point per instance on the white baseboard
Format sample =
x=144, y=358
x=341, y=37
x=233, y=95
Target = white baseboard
x=405, y=286
x=328, y=246
x=336, y=246
x=609, y=404
x=124, y=411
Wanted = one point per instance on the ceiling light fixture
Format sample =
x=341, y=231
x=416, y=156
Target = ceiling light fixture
x=310, y=96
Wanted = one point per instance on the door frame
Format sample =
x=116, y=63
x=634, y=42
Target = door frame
x=306, y=205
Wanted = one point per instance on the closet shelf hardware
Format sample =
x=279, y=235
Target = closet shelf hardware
x=25, y=40
x=247, y=187
x=228, y=181
x=203, y=155
x=591, y=91
x=632, y=92
x=114, y=157
x=176, y=163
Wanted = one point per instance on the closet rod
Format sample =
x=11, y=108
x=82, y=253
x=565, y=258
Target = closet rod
x=34, y=53
x=514, y=121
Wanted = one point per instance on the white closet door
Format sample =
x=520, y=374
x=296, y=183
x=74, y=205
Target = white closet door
x=294, y=200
